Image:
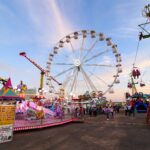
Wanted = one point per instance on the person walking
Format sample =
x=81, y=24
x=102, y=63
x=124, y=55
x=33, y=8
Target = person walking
x=133, y=110
x=107, y=112
x=129, y=110
x=125, y=109
x=132, y=103
x=112, y=112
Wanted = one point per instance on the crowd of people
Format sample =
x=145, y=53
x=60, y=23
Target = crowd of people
x=129, y=109
x=109, y=110
x=97, y=110
x=91, y=111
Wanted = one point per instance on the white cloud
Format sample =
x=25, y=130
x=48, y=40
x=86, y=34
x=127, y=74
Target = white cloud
x=48, y=20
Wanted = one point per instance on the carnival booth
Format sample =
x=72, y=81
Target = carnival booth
x=8, y=99
x=140, y=101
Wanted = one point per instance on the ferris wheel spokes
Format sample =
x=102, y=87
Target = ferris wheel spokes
x=97, y=55
x=68, y=78
x=74, y=80
x=100, y=65
x=90, y=49
x=88, y=79
x=87, y=83
x=62, y=64
x=64, y=71
x=73, y=50
x=98, y=78
x=81, y=48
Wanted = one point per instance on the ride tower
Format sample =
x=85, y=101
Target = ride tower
x=43, y=72
x=132, y=83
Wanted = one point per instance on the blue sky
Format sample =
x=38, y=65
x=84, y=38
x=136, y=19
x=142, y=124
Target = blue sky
x=35, y=26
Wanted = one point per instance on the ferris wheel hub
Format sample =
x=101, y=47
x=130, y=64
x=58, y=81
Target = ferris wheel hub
x=77, y=62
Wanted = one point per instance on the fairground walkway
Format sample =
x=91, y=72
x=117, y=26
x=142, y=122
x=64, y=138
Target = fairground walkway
x=96, y=133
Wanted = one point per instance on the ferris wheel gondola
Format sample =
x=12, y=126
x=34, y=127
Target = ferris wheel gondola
x=142, y=84
x=82, y=61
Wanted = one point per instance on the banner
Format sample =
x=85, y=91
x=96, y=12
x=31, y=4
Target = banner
x=7, y=116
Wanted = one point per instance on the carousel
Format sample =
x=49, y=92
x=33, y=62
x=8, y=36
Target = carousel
x=33, y=113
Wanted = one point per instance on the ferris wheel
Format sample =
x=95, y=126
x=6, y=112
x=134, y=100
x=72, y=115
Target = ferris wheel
x=84, y=61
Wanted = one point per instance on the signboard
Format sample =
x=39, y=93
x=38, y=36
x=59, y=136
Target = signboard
x=7, y=116
x=6, y=133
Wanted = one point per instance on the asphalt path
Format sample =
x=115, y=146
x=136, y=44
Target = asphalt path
x=96, y=133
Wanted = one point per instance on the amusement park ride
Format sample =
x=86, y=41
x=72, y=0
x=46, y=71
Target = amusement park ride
x=43, y=72
x=135, y=73
x=2, y=81
x=83, y=58
x=145, y=33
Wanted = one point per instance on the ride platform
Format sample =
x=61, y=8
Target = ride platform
x=21, y=125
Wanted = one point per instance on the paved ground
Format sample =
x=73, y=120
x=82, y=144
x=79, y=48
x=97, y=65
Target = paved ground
x=121, y=133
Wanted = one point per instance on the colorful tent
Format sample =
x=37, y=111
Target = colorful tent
x=7, y=92
x=141, y=95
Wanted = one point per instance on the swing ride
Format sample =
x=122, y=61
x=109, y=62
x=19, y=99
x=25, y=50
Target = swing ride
x=135, y=73
x=141, y=104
